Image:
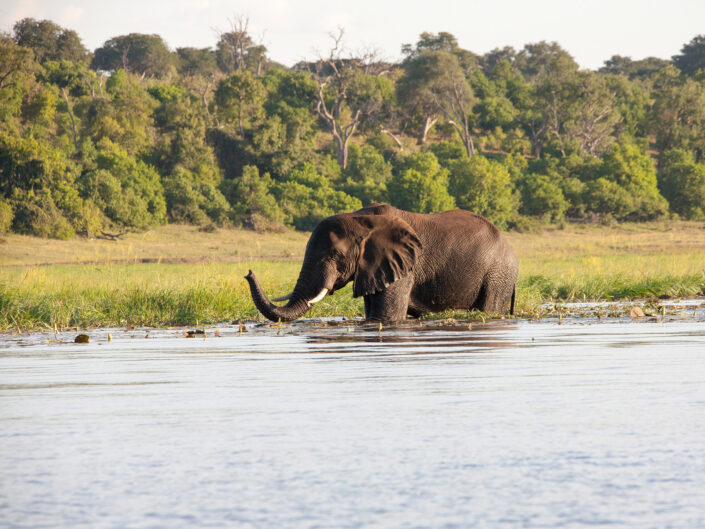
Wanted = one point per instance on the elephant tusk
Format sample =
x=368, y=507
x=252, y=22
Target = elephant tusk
x=284, y=298
x=318, y=298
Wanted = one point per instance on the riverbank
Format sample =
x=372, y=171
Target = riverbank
x=178, y=275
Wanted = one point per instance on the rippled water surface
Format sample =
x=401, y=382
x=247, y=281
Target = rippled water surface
x=512, y=424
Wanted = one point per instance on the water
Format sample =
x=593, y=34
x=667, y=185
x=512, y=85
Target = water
x=514, y=424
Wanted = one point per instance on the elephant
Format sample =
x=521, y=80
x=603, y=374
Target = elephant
x=402, y=264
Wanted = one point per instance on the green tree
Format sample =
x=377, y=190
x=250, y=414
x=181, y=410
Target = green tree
x=543, y=94
x=124, y=116
x=692, y=56
x=128, y=191
x=444, y=78
x=143, y=55
x=251, y=196
x=484, y=187
x=192, y=200
x=367, y=175
x=541, y=197
x=306, y=197
x=678, y=117
x=420, y=184
x=6, y=215
x=196, y=61
x=682, y=182
x=240, y=97
x=49, y=41
x=415, y=95
x=626, y=185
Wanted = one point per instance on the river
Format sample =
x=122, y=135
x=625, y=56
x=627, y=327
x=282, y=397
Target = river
x=574, y=423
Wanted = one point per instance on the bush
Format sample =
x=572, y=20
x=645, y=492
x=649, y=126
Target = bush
x=36, y=214
x=627, y=186
x=251, y=197
x=421, y=185
x=128, y=191
x=306, y=197
x=6, y=216
x=541, y=197
x=448, y=151
x=189, y=201
x=367, y=175
x=484, y=187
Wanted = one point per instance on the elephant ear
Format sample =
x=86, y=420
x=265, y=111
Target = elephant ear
x=388, y=252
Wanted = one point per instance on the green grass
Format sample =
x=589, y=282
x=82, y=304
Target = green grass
x=578, y=263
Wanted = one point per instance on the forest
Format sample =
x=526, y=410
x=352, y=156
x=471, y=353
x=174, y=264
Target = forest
x=135, y=134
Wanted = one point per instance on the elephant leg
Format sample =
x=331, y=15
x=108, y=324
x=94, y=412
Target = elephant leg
x=495, y=298
x=392, y=303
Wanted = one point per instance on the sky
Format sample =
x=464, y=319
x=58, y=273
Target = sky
x=592, y=31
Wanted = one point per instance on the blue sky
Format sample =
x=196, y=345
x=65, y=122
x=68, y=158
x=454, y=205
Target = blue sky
x=591, y=30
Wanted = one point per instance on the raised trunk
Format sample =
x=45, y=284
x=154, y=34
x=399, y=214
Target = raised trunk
x=294, y=309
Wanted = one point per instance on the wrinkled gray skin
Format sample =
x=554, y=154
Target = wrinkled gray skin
x=403, y=264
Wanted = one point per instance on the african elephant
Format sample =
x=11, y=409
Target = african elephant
x=403, y=264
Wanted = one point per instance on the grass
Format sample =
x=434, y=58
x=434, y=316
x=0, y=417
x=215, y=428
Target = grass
x=197, y=278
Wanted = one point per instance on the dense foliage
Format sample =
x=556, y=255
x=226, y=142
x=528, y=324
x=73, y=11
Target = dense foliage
x=134, y=134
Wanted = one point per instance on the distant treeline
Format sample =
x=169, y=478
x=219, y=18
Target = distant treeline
x=134, y=134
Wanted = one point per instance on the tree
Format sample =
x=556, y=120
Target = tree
x=678, y=117
x=367, y=175
x=692, y=56
x=124, y=115
x=442, y=41
x=420, y=185
x=441, y=79
x=306, y=197
x=541, y=196
x=484, y=187
x=625, y=185
x=49, y=41
x=414, y=93
x=196, y=62
x=236, y=50
x=591, y=115
x=682, y=183
x=138, y=53
x=193, y=200
x=642, y=70
x=543, y=59
x=348, y=92
x=15, y=62
x=128, y=191
x=240, y=97
x=252, y=199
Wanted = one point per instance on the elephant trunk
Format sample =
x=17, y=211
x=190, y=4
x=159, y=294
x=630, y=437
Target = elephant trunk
x=294, y=309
